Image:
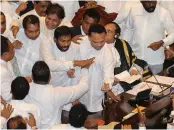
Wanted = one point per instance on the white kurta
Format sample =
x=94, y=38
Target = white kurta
x=101, y=71
x=23, y=109
x=28, y=54
x=169, y=6
x=60, y=78
x=6, y=79
x=47, y=54
x=149, y=28
x=116, y=56
x=51, y=100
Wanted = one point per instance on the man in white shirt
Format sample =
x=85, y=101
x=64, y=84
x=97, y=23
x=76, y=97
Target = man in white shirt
x=7, y=53
x=90, y=16
x=149, y=38
x=101, y=72
x=77, y=117
x=51, y=99
x=55, y=17
x=64, y=52
x=31, y=38
x=39, y=11
x=63, y=58
x=5, y=29
x=20, y=89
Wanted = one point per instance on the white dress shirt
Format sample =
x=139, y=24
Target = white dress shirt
x=60, y=77
x=100, y=72
x=47, y=52
x=23, y=109
x=51, y=100
x=116, y=56
x=28, y=54
x=6, y=79
x=3, y=122
x=149, y=28
x=169, y=6
x=66, y=127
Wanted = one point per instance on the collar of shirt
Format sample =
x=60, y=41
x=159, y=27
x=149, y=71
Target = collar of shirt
x=82, y=30
x=110, y=45
x=3, y=62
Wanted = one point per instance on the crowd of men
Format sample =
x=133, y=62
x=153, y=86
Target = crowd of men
x=50, y=67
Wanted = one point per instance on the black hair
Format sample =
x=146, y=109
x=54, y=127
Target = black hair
x=96, y=28
x=118, y=29
x=56, y=9
x=62, y=31
x=16, y=123
x=20, y=88
x=77, y=115
x=41, y=72
x=93, y=13
x=30, y=19
x=37, y=1
x=2, y=14
x=4, y=45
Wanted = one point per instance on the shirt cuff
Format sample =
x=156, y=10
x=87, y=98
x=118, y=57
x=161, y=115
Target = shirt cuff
x=3, y=122
x=70, y=64
x=166, y=43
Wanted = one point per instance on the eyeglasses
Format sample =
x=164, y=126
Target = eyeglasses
x=110, y=31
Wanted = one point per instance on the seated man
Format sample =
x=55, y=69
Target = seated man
x=90, y=16
x=52, y=99
x=128, y=59
x=77, y=117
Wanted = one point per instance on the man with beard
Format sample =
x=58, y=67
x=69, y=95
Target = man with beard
x=148, y=20
x=62, y=58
